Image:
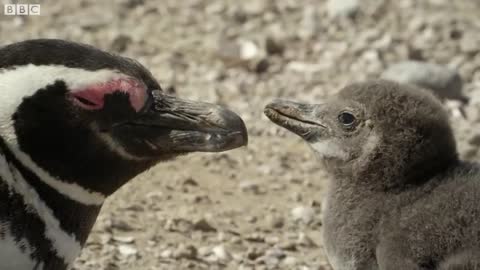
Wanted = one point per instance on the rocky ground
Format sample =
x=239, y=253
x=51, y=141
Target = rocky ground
x=257, y=207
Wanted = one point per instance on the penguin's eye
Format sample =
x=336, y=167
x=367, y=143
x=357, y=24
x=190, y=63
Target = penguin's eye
x=347, y=119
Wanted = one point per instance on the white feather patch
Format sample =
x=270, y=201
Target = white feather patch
x=329, y=148
x=66, y=246
x=370, y=145
x=23, y=81
x=12, y=257
x=72, y=191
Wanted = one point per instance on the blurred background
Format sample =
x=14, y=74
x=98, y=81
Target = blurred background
x=258, y=207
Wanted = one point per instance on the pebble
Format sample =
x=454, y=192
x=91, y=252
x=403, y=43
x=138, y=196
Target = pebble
x=343, y=8
x=288, y=246
x=444, y=82
x=254, y=7
x=275, y=253
x=303, y=67
x=274, y=46
x=275, y=221
x=304, y=214
x=272, y=257
x=272, y=240
x=305, y=240
x=127, y=250
x=190, y=182
x=203, y=225
x=241, y=50
x=123, y=239
x=168, y=253
x=290, y=261
x=254, y=253
x=470, y=44
x=309, y=25
x=248, y=186
x=221, y=253
x=256, y=238
x=185, y=252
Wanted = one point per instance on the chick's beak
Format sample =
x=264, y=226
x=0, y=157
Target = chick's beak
x=298, y=118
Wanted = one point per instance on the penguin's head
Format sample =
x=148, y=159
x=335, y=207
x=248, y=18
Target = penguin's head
x=96, y=119
x=373, y=130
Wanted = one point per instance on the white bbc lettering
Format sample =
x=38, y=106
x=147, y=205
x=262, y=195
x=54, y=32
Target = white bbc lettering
x=9, y=9
x=34, y=9
x=21, y=9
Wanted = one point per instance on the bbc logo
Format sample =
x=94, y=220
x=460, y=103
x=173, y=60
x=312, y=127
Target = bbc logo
x=21, y=9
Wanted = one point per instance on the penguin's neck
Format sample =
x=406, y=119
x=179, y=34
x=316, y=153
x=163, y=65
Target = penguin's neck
x=61, y=223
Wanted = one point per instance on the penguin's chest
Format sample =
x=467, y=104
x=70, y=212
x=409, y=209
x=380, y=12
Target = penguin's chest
x=348, y=236
x=15, y=253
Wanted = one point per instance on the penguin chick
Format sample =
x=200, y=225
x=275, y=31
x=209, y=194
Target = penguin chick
x=399, y=198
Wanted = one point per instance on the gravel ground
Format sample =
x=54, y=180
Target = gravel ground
x=257, y=207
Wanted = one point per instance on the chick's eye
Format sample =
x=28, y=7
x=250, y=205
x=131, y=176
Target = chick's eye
x=346, y=118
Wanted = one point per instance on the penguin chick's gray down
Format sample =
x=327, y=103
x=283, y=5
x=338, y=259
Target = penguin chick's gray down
x=399, y=198
x=77, y=123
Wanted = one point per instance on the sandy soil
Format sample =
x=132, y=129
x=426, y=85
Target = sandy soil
x=257, y=207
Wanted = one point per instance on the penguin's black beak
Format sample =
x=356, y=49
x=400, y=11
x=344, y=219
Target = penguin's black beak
x=298, y=118
x=171, y=124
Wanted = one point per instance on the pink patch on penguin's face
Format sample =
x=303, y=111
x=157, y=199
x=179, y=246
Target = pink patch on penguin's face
x=93, y=97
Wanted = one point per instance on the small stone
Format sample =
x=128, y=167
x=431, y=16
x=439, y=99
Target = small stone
x=251, y=219
x=306, y=241
x=273, y=257
x=275, y=221
x=254, y=253
x=271, y=262
x=255, y=237
x=130, y=4
x=290, y=261
x=288, y=246
x=274, y=46
x=204, y=251
x=309, y=25
x=297, y=197
x=168, y=253
x=303, y=67
x=234, y=51
x=122, y=225
x=123, y=239
x=343, y=8
x=203, y=225
x=221, y=253
x=470, y=44
x=185, y=252
x=190, y=182
x=248, y=186
x=272, y=240
x=262, y=66
x=240, y=16
x=275, y=252
x=442, y=81
x=254, y=7
x=304, y=214
x=248, y=50
x=127, y=250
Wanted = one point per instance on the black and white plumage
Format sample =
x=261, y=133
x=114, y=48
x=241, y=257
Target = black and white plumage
x=76, y=123
x=399, y=198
